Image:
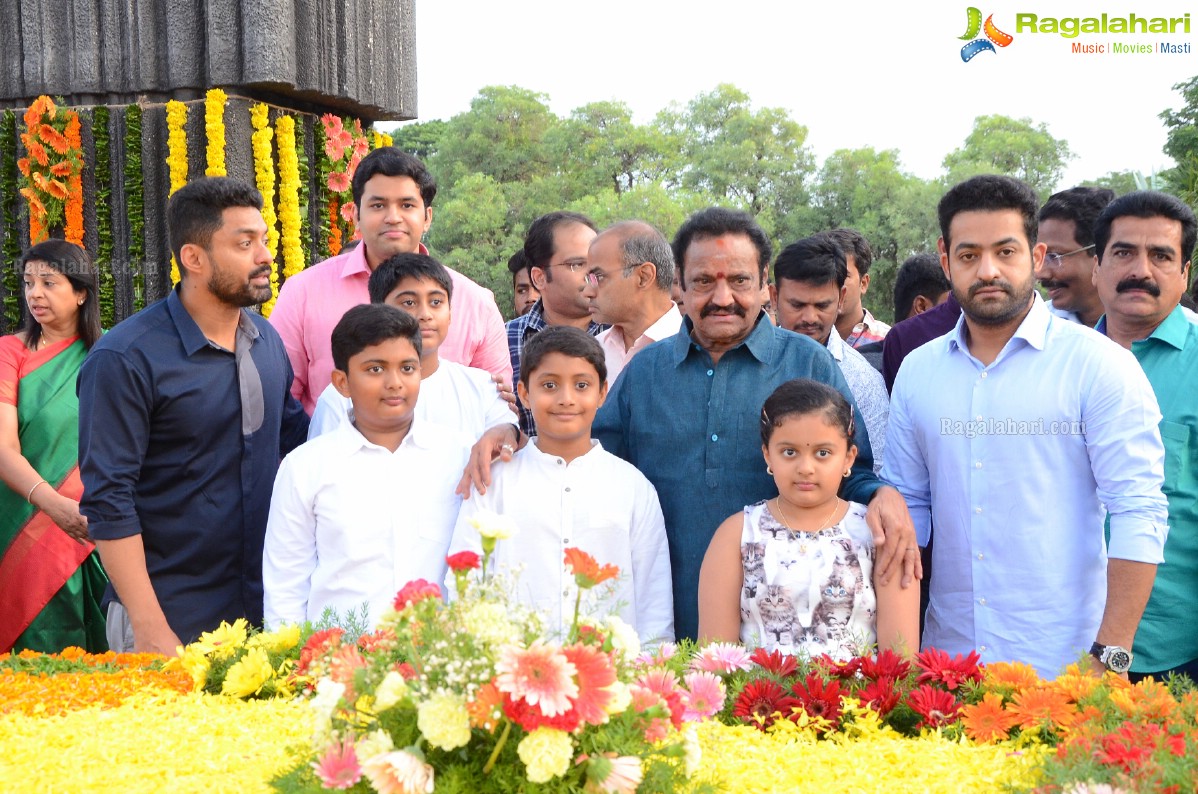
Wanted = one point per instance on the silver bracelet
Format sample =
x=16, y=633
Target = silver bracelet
x=29, y=496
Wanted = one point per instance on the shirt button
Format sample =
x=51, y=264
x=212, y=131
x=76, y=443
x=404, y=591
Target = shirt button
x=710, y=372
x=977, y=510
x=979, y=417
x=983, y=376
x=565, y=540
x=715, y=437
x=568, y=487
x=560, y=461
x=982, y=601
x=980, y=555
x=982, y=649
x=977, y=465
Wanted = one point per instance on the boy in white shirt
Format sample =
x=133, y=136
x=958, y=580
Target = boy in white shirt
x=364, y=509
x=564, y=490
x=451, y=394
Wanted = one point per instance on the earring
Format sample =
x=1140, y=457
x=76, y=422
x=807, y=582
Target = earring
x=847, y=472
x=769, y=471
x=80, y=303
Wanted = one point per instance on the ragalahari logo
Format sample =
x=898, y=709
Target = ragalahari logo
x=993, y=36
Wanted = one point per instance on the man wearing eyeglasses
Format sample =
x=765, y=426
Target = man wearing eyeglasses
x=556, y=247
x=1067, y=229
x=1145, y=241
x=628, y=285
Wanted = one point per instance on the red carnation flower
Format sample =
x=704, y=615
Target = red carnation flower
x=761, y=701
x=531, y=717
x=819, y=699
x=317, y=646
x=774, y=662
x=936, y=666
x=463, y=561
x=880, y=695
x=935, y=706
x=415, y=591
x=887, y=664
x=406, y=670
x=380, y=640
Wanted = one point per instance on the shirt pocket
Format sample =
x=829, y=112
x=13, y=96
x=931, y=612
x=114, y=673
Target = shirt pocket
x=1179, y=463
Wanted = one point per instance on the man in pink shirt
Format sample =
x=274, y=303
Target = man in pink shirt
x=393, y=197
x=628, y=286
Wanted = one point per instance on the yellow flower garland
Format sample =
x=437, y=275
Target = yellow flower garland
x=214, y=127
x=289, y=214
x=381, y=139
x=264, y=178
x=176, y=159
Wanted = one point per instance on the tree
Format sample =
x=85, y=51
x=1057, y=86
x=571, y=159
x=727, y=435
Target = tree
x=1015, y=147
x=502, y=136
x=1182, y=143
x=1119, y=181
x=420, y=138
x=756, y=160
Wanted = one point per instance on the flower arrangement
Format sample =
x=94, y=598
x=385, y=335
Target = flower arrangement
x=237, y=661
x=73, y=209
x=471, y=695
x=11, y=251
x=54, y=158
x=264, y=180
x=105, y=212
x=214, y=130
x=176, y=158
x=344, y=148
x=289, y=187
x=135, y=193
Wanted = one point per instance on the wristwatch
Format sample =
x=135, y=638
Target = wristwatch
x=1112, y=657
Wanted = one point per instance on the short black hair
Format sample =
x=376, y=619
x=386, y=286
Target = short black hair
x=76, y=265
x=854, y=244
x=990, y=193
x=391, y=161
x=919, y=275
x=1082, y=205
x=194, y=212
x=803, y=396
x=371, y=324
x=517, y=262
x=716, y=222
x=1147, y=204
x=564, y=339
x=539, y=246
x=815, y=260
x=397, y=268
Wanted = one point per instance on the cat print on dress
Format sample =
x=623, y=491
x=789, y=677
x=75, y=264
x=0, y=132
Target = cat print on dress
x=752, y=556
x=778, y=615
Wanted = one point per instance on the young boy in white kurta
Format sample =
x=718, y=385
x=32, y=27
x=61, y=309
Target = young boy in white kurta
x=564, y=490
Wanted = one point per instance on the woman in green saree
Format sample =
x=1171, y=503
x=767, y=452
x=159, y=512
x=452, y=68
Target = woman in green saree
x=51, y=581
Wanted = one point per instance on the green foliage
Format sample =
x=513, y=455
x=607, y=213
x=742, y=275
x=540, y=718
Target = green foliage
x=1182, y=143
x=135, y=198
x=1119, y=181
x=421, y=138
x=323, y=166
x=11, y=251
x=312, y=255
x=1015, y=147
x=105, y=213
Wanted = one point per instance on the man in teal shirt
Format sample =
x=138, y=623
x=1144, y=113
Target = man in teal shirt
x=1144, y=242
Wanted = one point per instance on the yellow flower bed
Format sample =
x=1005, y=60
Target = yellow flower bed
x=789, y=758
x=154, y=741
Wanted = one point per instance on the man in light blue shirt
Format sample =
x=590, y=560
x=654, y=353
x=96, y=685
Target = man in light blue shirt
x=1009, y=435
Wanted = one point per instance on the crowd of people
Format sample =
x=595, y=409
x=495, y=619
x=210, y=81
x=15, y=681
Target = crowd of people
x=764, y=460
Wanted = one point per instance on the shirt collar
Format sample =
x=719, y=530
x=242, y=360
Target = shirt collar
x=545, y=459
x=355, y=261
x=759, y=342
x=835, y=345
x=1173, y=330
x=664, y=326
x=189, y=332
x=418, y=436
x=1033, y=329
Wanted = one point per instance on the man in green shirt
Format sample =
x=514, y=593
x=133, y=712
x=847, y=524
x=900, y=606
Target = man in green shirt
x=1144, y=242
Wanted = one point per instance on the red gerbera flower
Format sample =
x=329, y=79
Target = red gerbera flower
x=530, y=717
x=935, y=706
x=586, y=569
x=1129, y=747
x=820, y=699
x=887, y=664
x=316, y=647
x=761, y=701
x=880, y=695
x=846, y=669
x=936, y=666
x=775, y=662
x=595, y=674
x=414, y=591
x=375, y=641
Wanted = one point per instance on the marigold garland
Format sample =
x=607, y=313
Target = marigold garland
x=214, y=129
x=176, y=159
x=264, y=178
x=73, y=210
x=53, y=160
x=289, y=213
x=334, y=227
x=11, y=250
x=301, y=151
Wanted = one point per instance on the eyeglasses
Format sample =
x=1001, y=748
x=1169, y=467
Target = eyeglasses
x=574, y=264
x=1054, y=260
x=596, y=277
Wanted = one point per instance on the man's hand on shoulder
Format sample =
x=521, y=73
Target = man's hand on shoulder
x=499, y=442
x=894, y=536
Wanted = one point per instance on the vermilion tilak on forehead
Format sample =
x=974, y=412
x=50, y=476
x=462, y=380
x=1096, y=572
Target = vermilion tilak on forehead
x=720, y=274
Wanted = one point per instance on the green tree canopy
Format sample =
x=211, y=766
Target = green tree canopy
x=1015, y=147
x=1182, y=143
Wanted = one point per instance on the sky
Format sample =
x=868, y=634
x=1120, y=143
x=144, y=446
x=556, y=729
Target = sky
x=881, y=74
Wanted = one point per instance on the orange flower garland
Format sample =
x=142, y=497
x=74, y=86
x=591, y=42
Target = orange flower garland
x=53, y=165
x=74, y=204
